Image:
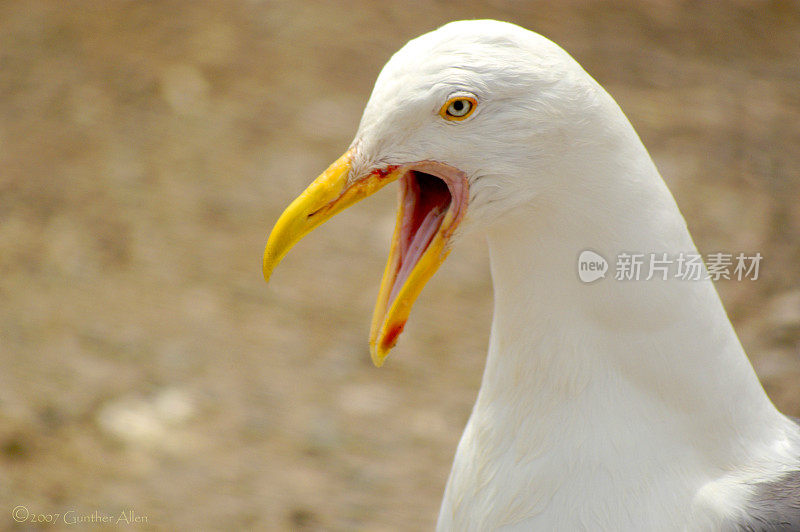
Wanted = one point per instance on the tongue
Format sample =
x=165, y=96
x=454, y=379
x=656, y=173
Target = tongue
x=414, y=250
x=425, y=202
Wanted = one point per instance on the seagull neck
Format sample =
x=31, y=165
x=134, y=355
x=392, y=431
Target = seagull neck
x=654, y=357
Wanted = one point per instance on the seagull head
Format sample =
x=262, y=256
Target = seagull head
x=473, y=119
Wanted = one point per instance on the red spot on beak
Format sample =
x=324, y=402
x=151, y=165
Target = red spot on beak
x=391, y=336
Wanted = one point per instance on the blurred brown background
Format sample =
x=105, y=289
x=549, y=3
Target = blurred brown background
x=147, y=147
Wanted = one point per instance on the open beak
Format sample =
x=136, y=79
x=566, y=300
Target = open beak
x=433, y=200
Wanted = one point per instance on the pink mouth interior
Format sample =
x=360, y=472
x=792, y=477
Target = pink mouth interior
x=425, y=200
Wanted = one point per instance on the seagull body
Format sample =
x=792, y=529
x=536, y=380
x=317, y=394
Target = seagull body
x=612, y=405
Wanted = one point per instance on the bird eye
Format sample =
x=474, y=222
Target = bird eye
x=458, y=108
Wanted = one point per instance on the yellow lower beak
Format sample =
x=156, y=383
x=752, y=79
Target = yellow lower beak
x=329, y=194
x=394, y=303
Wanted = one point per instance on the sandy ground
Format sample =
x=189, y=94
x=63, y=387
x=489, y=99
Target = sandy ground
x=147, y=147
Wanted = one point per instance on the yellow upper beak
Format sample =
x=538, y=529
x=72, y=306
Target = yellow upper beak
x=329, y=194
x=325, y=197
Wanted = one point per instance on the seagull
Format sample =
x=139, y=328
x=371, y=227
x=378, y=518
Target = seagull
x=605, y=405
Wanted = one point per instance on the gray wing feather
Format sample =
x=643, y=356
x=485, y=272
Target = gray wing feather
x=775, y=505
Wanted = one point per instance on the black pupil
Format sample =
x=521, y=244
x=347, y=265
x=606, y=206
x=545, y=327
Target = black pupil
x=458, y=105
